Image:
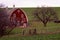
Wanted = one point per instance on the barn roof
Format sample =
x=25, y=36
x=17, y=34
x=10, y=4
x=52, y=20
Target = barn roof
x=11, y=10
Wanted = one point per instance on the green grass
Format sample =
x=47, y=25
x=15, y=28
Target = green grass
x=30, y=11
x=51, y=27
x=34, y=37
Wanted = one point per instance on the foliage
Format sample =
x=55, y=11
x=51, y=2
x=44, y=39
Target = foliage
x=4, y=22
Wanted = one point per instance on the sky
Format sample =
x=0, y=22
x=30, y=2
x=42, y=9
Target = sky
x=31, y=3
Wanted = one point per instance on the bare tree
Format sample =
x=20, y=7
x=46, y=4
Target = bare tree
x=45, y=14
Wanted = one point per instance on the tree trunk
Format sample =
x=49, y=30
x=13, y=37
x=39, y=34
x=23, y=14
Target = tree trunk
x=45, y=24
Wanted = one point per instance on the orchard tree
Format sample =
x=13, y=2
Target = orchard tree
x=45, y=14
x=4, y=20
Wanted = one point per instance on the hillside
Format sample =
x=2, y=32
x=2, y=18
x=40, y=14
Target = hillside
x=30, y=11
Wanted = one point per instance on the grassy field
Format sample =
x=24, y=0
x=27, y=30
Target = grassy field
x=30, y=11
x=34, y=37
x=51, y=27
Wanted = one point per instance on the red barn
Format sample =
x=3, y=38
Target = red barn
x=19, y=17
